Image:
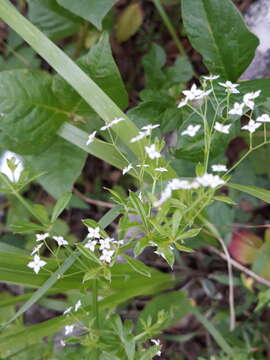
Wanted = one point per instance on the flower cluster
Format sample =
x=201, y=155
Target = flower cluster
x=207, y=180
x=145, y=131
x=106, y=245
x=110, y=124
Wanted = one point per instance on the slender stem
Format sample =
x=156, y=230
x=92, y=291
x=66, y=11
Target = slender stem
x=95, y=311
x=81, y=40
x=170, y=27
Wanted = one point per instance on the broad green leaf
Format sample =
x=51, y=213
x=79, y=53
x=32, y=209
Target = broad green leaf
x=153, y=63
x=216, y=29
x=98, y=64
x=31, y=111
x=63, y=163
x=252, y=190
x=261, y=265
x=175, y=305
x=181, y=71
x=60, y=205
x=21, y=58
x=52, y=19
x=129, y=22
x=91, y=10
x=137, y=265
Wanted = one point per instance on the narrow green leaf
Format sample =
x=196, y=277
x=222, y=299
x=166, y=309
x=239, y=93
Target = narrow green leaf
x=60, y=205
x=25, y=226
x=137, y=266
x=93, y=10
x=217, y=30
x=252, y=190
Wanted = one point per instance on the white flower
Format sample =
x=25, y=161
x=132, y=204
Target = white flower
x=91, y=245
x=251, y=126
x=165, y=195
x=93, y=233
x=196, y=94
x=140, y=196
x=154, y=341
x=60, y=240
x=91, y=138
x=191, y=130
x=264, y=118
x=142, y=165
x=37, y=264
x=210, y=180
x=237, y=109
x=150, y=127
x=112, y=123
x=106, y=243
x=161, y=169
x=36, y=249
x=247, y=99
x=62, y=343
x=41, y=237
x=68, y=310
x=230, y=87
x=107, y=255
x=139, y=137
x=127, y=168
x=77, y=305
x=219, y=168
x=5, y=169
x=69, y=329
x=225, y=129
x=152, y=152
x=211, y=77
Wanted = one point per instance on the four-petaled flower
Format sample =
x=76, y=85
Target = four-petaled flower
x=93, y=232
x=225, y=129
x=41, y=237
x=139, y=137
x=247, y=99
x=150, y=127
x=91, y=138
x=252, y=126
x=219, y=168
x=127, y=168
x=210, y=180
x=264, y=118
x=37, y=264
x=230, y=87
x=60, y=240
x=91, y=245
x=69, y=329
x=161, y=169
x=191, y=130
x=237, y=109
x=152, y=152
x=107, y=255
x=112, y=123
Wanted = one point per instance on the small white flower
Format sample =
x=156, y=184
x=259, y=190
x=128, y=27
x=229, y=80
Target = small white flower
x=93, y=233
x=37, y=264
x=210, y=180
x=211, y=77
x=91, y=138
x=150, y=127
x=165, y=195
x=225, y=129
x=127, y=168
x=219, y=168
x=60, y=240
x=77, y=305
x=154, y=341
x=140, y=196
x=182, y=103
x=91, y=245
x=249, y=97
x=161, y=169
x=69, y=329
x=120, y=242
x=152, y=152
x=237, y=109
x=230, y=87
x=41, y=237
x=112, y=123
x=36, y=249
x=142, y=165
x=106, y=243
x=251, y=126
x=195, y=94
x=62, y=343
x=191, y=130
x=68, y=310
x=13, y=175
x=107, y=255
x=264, y=118
x=142, y=134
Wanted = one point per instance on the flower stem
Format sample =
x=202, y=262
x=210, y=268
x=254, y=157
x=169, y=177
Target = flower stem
x=95, y=312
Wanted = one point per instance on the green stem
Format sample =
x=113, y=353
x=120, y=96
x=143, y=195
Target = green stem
x=95, y=311
x=81, y=40
x=170, y=27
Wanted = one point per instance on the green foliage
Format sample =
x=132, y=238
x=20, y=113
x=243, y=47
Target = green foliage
x=217, y=30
